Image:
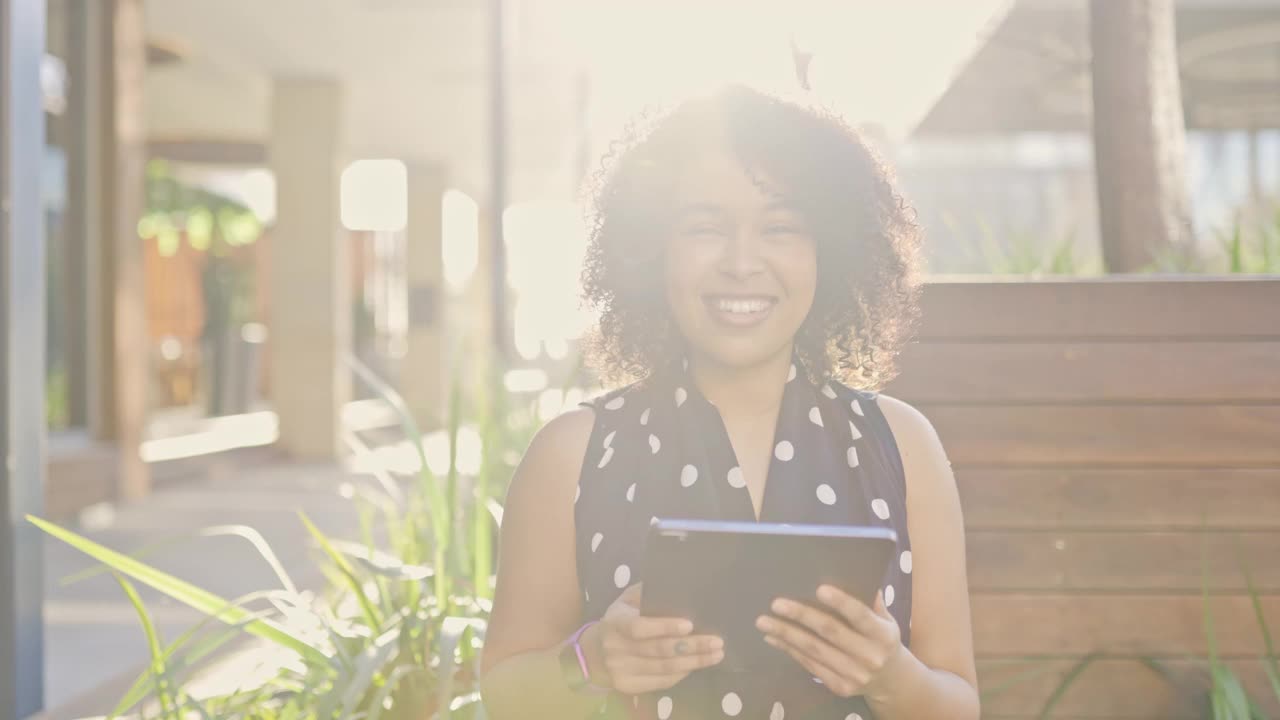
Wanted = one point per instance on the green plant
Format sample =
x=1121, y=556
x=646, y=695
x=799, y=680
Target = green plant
x=1017, y=252
x=397, y=632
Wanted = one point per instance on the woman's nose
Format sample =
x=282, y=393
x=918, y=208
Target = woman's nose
x=741, y=256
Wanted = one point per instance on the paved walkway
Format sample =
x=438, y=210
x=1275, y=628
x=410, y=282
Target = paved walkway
x=93, y=640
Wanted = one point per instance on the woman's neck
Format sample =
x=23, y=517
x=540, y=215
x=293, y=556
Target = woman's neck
x=743, y=392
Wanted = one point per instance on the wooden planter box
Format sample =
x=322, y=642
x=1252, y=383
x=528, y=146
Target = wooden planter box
x=1105, y=433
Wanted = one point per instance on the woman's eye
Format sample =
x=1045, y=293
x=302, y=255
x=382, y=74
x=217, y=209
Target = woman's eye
x=783, y=230
x=704, y=231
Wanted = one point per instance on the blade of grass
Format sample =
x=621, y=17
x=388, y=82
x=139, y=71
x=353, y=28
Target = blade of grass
x=140, y=687
x=1067, y=681
x=248, y=534
x=1269, y=661
x=370, y=664
x=389, y=686
x=451, y=632
x=367, y=608
x=385, y=481
x=158, y=669
x=437, y=507
x=182, y=591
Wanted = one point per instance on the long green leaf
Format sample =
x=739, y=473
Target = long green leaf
x=370, y=612
x=371, y=664
x=451, y=632
x=164, y=692
x=143, y=685
x=246, y=533
x=437, y=503
x=182, y=591
x=376, y=706
x=1067, y=681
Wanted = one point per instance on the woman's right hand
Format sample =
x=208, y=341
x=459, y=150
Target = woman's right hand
x=644, y=654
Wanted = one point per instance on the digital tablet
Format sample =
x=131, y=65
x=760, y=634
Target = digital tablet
x=724, y=575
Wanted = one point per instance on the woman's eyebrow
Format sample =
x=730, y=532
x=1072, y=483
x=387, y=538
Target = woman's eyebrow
x=699, y=208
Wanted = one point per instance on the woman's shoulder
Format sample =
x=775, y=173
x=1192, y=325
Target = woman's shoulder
x=559, y=448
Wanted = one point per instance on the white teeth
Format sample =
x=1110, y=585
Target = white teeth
x=743, y=306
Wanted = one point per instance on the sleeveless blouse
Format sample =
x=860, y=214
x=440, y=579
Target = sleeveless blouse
x=658, y=448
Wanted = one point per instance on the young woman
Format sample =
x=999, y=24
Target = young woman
x=754, y=270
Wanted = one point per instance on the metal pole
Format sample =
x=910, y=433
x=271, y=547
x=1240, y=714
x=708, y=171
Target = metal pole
x=498, y=177
x=22, y=329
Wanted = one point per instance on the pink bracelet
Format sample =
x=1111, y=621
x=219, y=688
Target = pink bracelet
x=582, y=659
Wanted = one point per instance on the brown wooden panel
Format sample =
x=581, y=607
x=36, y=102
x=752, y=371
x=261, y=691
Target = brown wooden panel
x=1047, y=435
x=1139, y=561
x=1006, y=624
x=991, y=373
x=1158, y=308
x=1165, y=498
x=1110, y=688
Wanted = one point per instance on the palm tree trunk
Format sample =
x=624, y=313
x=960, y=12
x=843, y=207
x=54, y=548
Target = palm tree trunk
x=1139, y=134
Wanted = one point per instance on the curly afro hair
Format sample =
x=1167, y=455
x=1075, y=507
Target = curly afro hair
x=866, y=302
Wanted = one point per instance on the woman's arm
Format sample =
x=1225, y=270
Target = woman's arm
x=937, y=678
x=536, y=603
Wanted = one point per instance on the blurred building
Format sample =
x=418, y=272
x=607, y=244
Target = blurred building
x=238, y=196
x=1001, y=165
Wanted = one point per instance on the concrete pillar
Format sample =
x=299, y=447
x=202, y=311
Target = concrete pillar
x=126, y=346
x=310, y=313
x=425, y=375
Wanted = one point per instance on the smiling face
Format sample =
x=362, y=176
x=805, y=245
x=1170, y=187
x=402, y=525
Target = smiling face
x=741, y=266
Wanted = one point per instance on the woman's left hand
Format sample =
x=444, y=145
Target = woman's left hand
x=850, y=647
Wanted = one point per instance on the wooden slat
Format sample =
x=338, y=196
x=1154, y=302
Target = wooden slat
x=1167, y=498
x=1111, y=688
x=1048, y=435
x=992, y=373
x=1010, y=624
x=1165, y=308
x=1141, y=561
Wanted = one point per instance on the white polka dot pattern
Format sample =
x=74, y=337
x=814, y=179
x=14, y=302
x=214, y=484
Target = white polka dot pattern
x=731, y=704
x=688, y=476
x=736, y=478
x=791, y=374
x=854, y=432
x=815, y=416
x=654, y=444
x=604, y=459
x=621, y=576
x=880, y=508
x=681, y=396
x=784, y=451
x=851, y=457
x=778, y=712
x=644, y=417
x=631, y=493
x=616, y=403
x=608, y=439
x=904, y=562
x=595, y=541
x=888, y=596
x=829, y=392
x=857, y=408
x=664, y=708
x=826, y=494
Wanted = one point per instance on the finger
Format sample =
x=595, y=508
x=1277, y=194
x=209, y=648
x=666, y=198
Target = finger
x=676, y=647
x=647, y=628
x=804, y=641
x=834, y=681
x=828, y=626
x=881, y=609
x=851, y=609
x=635, y=666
